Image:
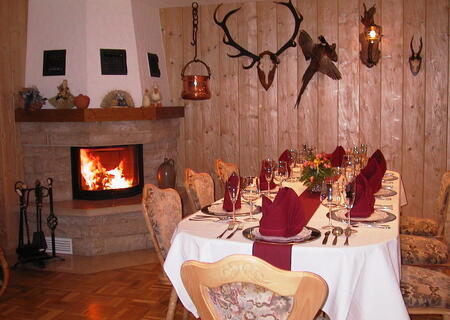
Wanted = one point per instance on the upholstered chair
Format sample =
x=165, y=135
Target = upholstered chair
x=225, y=169
x=246, y=287
x=162, y=212
x=4, y=272
x=199, y=187
x=425, y=291
x=425, y=241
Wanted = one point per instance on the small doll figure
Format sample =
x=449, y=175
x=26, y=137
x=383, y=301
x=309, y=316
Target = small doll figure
x=155, y=96
x=146, y=99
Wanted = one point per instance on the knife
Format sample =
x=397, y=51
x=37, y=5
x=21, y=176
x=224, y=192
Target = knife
x=325, y=239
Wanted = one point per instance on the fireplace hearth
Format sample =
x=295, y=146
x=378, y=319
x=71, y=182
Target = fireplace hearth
x=106, y=172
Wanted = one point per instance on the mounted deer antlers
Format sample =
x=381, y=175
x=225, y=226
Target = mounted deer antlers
x=415, y=61
x=274, y=57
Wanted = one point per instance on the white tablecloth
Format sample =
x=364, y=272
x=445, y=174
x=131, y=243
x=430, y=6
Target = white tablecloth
x=363, y=278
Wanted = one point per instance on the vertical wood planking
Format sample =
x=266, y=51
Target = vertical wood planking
x=369, y=90
x=413, y=109
x=392, y=86
x=172, y=32
x=209, y=33
x=228, y=97
x=436, y=110
x=287, y=81
x=268, y=118
x=328, y=88
x=348, y=112
x=248, y=94
x=308, y=108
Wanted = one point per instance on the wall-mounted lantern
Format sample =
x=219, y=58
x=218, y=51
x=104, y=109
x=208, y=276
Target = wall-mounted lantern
x=370, y=38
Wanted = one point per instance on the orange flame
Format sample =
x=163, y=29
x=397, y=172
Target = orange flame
x=96, y=177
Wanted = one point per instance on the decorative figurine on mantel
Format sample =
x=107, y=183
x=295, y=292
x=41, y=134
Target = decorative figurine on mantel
x=64, y=99
x=155, y=96
x=146, y=99
x=117, y=98
x=32, y=99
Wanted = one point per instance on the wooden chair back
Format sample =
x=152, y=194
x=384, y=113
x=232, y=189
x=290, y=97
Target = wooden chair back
x=162, y=212
x=211, y=284
x=199, y=187
x=443, y=207
x=225, y=169
x=4, y=276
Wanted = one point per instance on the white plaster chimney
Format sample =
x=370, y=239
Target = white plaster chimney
x=83, y=27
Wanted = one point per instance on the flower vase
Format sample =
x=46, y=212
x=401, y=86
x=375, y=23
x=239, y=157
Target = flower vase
x=315, y=187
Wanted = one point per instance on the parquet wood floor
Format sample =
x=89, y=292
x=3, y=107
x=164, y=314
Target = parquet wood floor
x=129, y=293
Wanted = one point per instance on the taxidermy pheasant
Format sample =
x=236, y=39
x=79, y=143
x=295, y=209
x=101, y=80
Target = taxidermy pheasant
x=321, y=55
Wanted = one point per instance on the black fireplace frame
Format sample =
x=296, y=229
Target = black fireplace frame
x=79, y=194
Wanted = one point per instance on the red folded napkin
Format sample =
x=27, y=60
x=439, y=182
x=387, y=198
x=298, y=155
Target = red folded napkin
x=373, y=173
x=283, y=217
x=379, y=157
x=227, y=203
x=263, y=181
x=364, y=199
x=286, y=157
x=303, y=208
x=337, y=156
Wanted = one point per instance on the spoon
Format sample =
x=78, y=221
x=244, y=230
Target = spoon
x=337, y=231
x=347, y=233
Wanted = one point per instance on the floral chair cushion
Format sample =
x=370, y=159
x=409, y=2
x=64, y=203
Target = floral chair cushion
x=421, y=287
x=241, y=300
x=200, y=187
x=422, y=250
x=419, y=226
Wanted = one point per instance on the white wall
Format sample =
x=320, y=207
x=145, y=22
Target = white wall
x=83, y=27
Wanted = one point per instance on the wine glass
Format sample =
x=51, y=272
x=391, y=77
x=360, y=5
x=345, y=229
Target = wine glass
x=349, y=200
x=292, y=160
x=233, y=191
x=280, y=173
x=250, y=192
x=327, y=198
x=268, y=166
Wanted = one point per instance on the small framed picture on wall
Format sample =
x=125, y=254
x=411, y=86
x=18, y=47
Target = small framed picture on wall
x=153, y=65
x=54, y=63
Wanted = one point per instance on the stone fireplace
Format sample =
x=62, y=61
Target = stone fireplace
x=102, y=226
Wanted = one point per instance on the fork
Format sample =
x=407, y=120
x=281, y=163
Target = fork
x=230, y=227
x=239, y=227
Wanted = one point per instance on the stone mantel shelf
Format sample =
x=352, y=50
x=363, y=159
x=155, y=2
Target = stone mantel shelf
x=99, y=114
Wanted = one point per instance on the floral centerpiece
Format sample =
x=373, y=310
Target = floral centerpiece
x=316, y=169
x=32, y=99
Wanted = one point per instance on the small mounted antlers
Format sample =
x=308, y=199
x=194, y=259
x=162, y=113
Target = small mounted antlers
x=415, y=60
x=274, y=57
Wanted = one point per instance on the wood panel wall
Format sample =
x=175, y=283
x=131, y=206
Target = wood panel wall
x=385, y=106
x=13, y=23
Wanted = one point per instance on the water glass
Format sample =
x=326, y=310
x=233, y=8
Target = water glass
x=268, y=168
x=327, y=197
x=233, y=191
x=250, y=192
x=280, y=173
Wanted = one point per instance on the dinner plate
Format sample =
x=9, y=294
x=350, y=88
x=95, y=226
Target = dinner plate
x=383, y=193
x=306, y=235
x=389, y=178
x=378, y=216
x=216, y=209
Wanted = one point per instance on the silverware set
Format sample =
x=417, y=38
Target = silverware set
x=231, y=225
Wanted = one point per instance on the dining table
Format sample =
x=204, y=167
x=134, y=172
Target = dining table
x=363, y=277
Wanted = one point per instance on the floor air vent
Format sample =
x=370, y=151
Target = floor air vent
x=62, y=245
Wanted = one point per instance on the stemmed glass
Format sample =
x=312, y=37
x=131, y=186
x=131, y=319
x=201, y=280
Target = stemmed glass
x=280, y=173
x=292, y=160
x=349, y=199
x=250, y=192
x=233, y=191
x=327, y=198
x=268, y=166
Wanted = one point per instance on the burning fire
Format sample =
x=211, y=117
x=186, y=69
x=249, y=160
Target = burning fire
x=96, y=177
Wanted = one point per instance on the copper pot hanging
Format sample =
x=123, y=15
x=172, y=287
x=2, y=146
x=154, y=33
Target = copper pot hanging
x=195, y=87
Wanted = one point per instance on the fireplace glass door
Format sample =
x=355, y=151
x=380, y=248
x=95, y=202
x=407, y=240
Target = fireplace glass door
x=106, y=172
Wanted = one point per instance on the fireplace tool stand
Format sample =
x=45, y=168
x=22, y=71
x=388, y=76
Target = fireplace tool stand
x=34, y=250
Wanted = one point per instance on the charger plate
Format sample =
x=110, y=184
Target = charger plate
x=383, y=193
x=216, y=209
x=308, y=234
x=389, y=178
x=378, y=216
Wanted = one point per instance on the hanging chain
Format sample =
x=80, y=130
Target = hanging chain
x=194, y=27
